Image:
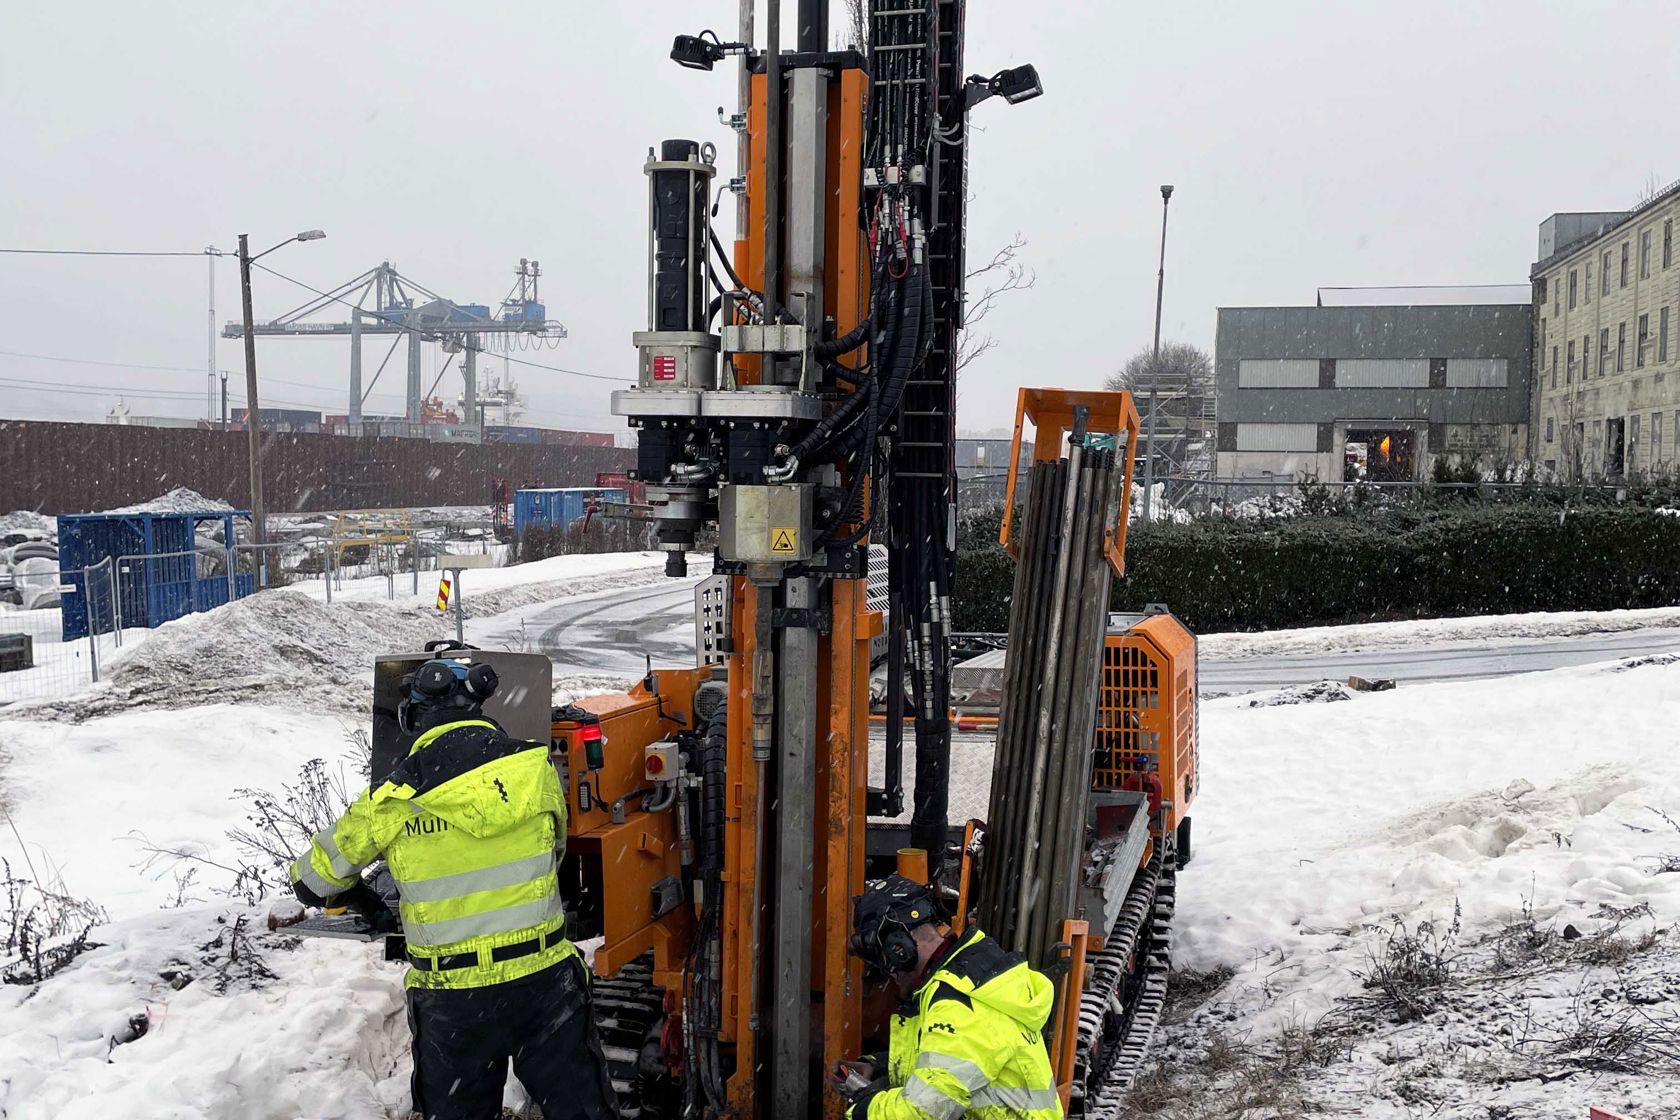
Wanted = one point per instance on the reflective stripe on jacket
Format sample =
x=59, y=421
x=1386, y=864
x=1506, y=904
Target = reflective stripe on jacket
x=471, y=825
x=970, y=1042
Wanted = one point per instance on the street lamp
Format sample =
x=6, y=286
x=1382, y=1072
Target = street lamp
x=253, y=414
x=1161, y=276
x=1155, y=361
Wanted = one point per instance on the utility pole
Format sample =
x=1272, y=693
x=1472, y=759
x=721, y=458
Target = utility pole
x=253, y=414
x=210, y=255
x=224, y=403
x=1155, y=361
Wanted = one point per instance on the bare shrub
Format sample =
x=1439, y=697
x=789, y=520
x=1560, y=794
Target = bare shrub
x=1409, y=974
x=45, y=927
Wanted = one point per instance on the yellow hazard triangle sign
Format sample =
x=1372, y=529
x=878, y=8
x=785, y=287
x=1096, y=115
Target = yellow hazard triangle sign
x=443, y=594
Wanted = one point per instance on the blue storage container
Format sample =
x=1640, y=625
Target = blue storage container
x=152, y=587
x=561, y=505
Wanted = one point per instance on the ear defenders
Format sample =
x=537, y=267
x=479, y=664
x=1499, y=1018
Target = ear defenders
x=444, y=684
x=882, y=918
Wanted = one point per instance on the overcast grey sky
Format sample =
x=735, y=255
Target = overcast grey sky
x=1311, y=144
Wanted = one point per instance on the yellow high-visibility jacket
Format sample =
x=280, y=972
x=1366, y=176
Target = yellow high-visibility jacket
x=472, y=825
x=969, y=1043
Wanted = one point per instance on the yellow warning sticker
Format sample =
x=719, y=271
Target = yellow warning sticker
x=784, y=541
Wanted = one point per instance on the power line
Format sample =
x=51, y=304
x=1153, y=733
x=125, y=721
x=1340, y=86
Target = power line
x=414, y=330
x=114, y=365
x=165, y=369
x=102, y=253
x=28, y=385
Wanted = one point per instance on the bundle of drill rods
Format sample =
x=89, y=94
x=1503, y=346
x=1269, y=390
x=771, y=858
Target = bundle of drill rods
x=1041, y=776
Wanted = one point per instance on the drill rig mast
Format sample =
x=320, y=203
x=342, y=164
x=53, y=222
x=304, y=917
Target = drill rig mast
x=803, y=402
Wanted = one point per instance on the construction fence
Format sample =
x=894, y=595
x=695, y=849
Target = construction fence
x=36, y=661
x=65, y=627
x=57, y=468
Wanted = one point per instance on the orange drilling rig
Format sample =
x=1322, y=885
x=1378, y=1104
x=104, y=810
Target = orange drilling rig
x=796, y=396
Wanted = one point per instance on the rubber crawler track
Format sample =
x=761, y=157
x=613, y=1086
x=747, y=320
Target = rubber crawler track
x=1121, y=1006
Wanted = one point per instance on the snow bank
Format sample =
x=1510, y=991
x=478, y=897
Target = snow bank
x=1430, y=631
x=324, y=1037
x=182, y=499
x=281, y=647
x=28, y=521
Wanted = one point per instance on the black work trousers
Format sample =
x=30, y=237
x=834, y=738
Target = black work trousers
x=543, y=1023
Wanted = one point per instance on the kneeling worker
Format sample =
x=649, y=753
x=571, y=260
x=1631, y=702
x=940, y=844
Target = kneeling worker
x=967, y=1041
x=472, y=825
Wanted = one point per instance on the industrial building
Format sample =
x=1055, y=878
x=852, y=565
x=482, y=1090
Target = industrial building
x=1373, y=384
x=1605, y=289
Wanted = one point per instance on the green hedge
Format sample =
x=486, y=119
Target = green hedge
x=1227, y=574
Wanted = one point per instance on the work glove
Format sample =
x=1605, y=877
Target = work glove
x=365, y=902
x=859, y=1108
x=849, y=1079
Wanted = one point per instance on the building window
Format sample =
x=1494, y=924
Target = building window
x=1621, y=346
x=1586, y=286
x=1656, y=437
x=1382, y=373
x=1277, y=373
x=1586, y=350
x=1644, y=337
x=1572, y=286
x=1623, y=284
x=1645, y=255
x=1668, y=242
x=1554, y=367
x=1548, y=429
x=1476, y=373
x=1662, y=335
x=1603, y=351
x=1277, y=437
x=1604, y=277
x=1569, y=370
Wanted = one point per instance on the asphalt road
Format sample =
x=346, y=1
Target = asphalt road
x=611, y=632
x=1440, y=661
x=614, y=631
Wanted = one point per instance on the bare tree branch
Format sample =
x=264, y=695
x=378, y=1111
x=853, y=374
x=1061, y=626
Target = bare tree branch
x=1002, y=274
x=857, y=24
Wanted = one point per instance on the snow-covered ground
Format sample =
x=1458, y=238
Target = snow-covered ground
x=1510, y=809
x=1529, y=803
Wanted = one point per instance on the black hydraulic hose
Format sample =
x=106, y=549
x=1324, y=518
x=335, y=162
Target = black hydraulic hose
x=714, y=779
x=903, y=363
x=931, y=797
x=723, y=258
x=847, y=342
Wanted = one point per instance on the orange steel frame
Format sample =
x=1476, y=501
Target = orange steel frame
x=1050, y=411
x=842, y=655
x=637, y=854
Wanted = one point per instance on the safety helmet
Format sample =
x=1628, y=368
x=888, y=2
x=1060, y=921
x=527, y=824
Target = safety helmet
x=882, y=918
x=441, y=685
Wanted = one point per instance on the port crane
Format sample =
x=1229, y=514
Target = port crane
x=384, y=302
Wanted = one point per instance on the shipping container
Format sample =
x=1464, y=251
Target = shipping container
x=507, y=433
x=561, y=506
x=285, y=419
x=150, y=591
x=636, y=491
